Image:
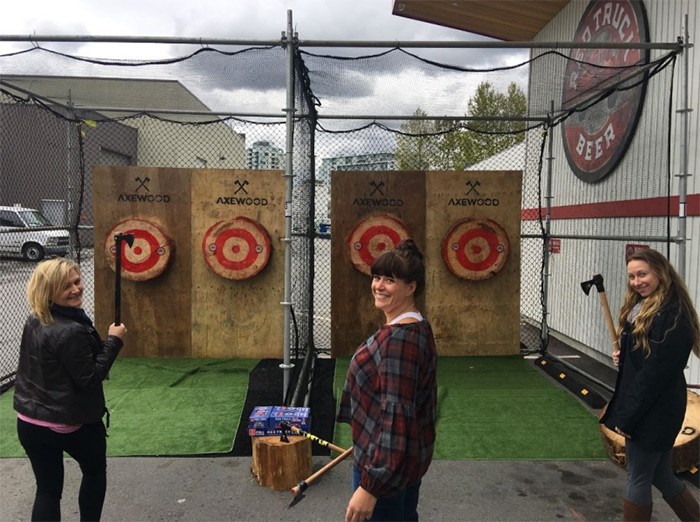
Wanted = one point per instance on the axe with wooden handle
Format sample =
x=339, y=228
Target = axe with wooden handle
x=597, y=281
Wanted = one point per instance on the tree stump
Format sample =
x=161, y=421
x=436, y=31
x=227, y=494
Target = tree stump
x=281, y=465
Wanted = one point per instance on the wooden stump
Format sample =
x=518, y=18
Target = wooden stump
x=686, y=448
x=281, y=465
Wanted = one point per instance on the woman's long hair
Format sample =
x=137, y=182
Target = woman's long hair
x=670, y=285
x=48, y=279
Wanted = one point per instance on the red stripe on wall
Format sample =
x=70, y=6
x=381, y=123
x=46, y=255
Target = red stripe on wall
x=649, y=207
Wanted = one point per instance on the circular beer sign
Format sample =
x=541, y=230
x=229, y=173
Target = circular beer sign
x=147, y=257
x=597, y=135
x=371, y=237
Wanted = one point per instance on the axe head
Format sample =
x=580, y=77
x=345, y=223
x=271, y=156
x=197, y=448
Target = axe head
x=597, y=281
x=129, y=238
x=298, y=492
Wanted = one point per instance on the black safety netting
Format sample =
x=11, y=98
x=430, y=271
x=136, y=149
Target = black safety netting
x=62, y=113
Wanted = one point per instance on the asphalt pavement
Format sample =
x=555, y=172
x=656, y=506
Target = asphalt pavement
x=223, y=488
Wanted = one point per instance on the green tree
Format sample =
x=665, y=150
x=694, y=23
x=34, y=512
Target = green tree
x=495, y=134
x=416, y=146
x=449, y=145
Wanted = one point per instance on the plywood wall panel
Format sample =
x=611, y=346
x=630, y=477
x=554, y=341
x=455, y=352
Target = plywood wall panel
x=354, y=196
x=473, y=317
x=232, y=318
x=156, y=312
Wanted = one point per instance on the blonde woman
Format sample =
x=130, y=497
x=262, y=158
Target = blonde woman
x=58, y=389
x=658, y=330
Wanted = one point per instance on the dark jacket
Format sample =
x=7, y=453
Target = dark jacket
x=61, y=369
x=650, y=393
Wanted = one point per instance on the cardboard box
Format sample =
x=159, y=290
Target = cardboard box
x=265, y=420
x=297, y=416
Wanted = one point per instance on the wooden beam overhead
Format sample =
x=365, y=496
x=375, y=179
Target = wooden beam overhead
x=508, y=20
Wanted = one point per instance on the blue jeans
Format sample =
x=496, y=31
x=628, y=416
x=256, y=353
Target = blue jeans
x=45, y=448
x=402, y=506
x=646, y=468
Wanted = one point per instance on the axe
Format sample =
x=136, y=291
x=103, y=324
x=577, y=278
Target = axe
x=118, y=240
x=298, y=490
x=597, y=281
x=297, y=430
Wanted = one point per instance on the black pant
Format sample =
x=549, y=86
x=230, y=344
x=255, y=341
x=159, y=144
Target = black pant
x=45, y=447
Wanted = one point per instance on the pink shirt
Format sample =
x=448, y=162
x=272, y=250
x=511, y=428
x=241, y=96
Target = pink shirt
x=55, y=426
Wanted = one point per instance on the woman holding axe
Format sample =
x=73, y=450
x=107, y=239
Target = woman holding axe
x=390, y=395
x=658, y=328
x=58, y=389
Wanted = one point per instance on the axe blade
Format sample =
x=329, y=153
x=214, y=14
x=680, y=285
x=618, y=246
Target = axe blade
x=300, y=488
x=298, y=498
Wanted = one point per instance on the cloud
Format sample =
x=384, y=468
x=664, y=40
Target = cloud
x=254, y=81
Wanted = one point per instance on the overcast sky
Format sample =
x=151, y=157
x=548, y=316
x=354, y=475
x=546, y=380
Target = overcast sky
x=237, y=19
x=367, y=20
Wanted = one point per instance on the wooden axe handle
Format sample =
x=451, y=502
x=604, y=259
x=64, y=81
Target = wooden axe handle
x=299, y=488
x=329, y=445
x=609, y=321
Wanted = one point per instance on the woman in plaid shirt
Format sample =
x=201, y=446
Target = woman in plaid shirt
x=390, y=395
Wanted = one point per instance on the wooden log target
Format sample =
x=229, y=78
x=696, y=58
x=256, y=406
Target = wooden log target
x=237, y=249
x=475, y=249
x=371, y=237
x=148, y=257
x=686, y=447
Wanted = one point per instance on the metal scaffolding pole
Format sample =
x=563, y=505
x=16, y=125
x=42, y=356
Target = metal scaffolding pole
x=544, y=330
x=288, y=38
x=683, y=175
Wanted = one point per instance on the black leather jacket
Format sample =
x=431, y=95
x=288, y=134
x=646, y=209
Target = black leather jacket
x=61, y=369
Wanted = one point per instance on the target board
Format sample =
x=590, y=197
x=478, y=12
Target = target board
x=236, y=249
x=472, y=290
x=149, y=255
x=238, y=263
x=371, y=211
x=156, y=291
x=475, y=249
x=371, y=237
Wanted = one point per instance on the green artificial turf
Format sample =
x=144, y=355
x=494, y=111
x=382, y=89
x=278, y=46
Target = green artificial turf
x=501, y=408
x=162, y=407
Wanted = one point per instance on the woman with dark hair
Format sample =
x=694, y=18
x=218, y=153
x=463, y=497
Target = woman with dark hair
x=658, y=328
x=58, y=389
x=390, y=395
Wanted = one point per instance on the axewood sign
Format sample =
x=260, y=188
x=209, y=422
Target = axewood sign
x=596, y=139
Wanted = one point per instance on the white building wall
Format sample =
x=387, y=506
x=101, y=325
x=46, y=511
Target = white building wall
x=213, y=146
x=641, y=174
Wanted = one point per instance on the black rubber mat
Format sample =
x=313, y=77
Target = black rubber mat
x=265, y=385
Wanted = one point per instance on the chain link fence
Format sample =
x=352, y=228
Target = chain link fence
x=55, y=129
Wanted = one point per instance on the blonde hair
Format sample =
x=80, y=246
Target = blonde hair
x=47, y=280
x=670, y=285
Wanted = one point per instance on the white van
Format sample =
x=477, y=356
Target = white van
x=17, y=237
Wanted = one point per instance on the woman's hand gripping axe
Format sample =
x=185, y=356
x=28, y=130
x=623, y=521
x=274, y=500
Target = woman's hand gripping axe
x=597, y=281
x=118, y=240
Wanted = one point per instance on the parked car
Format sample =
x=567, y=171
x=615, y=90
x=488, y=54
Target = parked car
x=18, y=237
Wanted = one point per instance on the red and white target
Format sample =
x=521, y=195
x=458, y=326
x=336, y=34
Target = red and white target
x=149, y=255
x=238, y=248
x=372, y=236
x=475, y=249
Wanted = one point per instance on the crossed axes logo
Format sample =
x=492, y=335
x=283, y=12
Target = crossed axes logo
x=472, y=187
x=377, y=187
x=241, y=186
x=142, y=183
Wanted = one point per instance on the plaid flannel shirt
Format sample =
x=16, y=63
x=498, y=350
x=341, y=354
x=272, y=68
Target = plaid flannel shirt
x=390, y=399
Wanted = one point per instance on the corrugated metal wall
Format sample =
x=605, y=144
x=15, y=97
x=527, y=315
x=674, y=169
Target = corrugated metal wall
x=642, y=173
